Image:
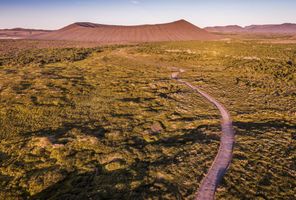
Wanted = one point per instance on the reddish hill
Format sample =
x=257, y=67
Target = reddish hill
x=19, y=33
x=287, y=28
x=176, y=31
x=225, y=29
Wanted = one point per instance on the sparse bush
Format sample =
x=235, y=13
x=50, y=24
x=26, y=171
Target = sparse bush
x=116, y=126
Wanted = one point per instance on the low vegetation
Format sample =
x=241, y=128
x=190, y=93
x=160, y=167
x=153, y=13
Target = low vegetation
x=46, y=56
x=108, y=122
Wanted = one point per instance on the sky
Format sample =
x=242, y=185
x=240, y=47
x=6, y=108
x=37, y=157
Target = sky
x=55, y=14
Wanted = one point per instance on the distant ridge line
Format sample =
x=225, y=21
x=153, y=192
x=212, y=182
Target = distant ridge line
x=180, y=30
x=285, y=28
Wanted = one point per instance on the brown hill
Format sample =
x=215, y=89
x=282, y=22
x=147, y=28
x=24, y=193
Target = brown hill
x=19, y=33
x=287, y=28
x=176, y=31
x=225, y=29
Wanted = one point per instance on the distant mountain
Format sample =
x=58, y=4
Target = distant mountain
x=84, y=31
x=19, y=33
x=225, y=29
x=287, y=28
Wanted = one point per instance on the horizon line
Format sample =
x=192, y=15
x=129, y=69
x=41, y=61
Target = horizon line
x=98, y=23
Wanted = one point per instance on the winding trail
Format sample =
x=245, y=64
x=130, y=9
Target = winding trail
x=223, y=158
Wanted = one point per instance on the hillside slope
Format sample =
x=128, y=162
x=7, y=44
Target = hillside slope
x=83, y=31
x=225, y=29
x=19, y=33
x=287, y=28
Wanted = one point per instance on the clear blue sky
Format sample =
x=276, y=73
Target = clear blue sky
x=53, y=14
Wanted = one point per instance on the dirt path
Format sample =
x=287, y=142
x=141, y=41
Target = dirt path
x=222, y=161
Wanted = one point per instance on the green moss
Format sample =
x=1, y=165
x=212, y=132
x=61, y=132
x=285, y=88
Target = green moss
x=114, y=125
x=116, y=165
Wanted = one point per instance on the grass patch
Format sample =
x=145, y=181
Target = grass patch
x=110, y=123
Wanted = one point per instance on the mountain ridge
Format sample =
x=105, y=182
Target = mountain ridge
x=180, y=30
x=284, y=28
x=20, y=33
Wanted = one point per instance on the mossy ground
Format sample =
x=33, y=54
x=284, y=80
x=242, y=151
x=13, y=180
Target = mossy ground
x=110, y=123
